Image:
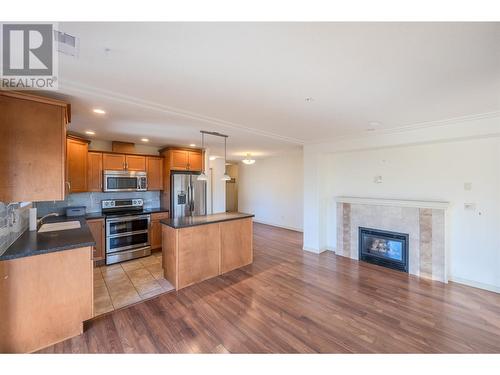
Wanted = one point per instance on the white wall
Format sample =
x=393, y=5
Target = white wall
x=216, y=197
x=434, y=169
x=272, y=189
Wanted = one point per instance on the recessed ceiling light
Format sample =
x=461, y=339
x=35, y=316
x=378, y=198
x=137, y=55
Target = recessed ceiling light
x=99, y=111
x=192, y=145
x=90, y=132
x=144, y=139
x=212, y=157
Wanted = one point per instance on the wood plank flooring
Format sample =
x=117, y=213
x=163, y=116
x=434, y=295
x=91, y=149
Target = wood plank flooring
x=291, y=301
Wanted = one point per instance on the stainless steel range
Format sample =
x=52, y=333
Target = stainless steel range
x=127, y=229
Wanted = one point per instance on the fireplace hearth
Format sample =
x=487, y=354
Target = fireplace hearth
x=388, y=249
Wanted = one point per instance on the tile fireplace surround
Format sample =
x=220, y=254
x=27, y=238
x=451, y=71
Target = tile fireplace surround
x=424, y=221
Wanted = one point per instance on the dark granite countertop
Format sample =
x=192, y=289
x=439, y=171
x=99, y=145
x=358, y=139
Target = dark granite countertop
x=191, y=221
x=34, y=243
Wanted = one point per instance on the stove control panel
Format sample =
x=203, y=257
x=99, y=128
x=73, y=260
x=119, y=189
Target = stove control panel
x=122, y=203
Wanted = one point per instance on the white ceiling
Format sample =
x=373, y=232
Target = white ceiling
x=167, y=81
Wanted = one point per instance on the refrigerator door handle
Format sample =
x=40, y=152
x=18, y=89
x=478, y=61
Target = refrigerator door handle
x=191, y=203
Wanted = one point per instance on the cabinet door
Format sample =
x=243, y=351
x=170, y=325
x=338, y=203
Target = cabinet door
x=113, y=162
x=155, y=234
x=94, y=169
x=135, y=163
x=154, y=168
x=32, y=149
x=76, y=159
x=156, y=229
x=179, y=160
x=195, y=162
x=97, y=229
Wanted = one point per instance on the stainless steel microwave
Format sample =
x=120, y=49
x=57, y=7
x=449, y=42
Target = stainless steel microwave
x=125, y=181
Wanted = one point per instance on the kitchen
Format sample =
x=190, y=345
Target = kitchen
x=137, y=220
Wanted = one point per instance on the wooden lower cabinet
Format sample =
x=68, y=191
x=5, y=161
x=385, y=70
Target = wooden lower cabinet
x=236, y=244
x=97, y=229
x=197, y=253
x=155, y=229
x=44, y=299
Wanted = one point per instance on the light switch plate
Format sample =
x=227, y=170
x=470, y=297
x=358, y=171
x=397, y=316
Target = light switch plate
x=468, y=186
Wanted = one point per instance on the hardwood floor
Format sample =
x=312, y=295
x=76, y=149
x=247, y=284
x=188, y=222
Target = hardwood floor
x=291, y=301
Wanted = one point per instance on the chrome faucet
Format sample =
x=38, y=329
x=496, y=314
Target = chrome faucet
x=39, y=222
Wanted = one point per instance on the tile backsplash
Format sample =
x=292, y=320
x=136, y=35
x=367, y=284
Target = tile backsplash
x=14, y=220
x=92, y=201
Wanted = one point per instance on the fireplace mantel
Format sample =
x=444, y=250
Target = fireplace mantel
x=425, y=222
x=394, y=202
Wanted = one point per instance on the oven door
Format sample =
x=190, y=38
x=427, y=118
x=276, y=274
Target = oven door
x=127, y=224
x=121, y=183
x=127, y=241
x=127, y=232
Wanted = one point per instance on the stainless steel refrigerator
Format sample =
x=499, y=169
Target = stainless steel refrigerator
x=189, y=196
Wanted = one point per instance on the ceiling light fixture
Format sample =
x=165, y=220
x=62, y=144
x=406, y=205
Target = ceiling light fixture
x=193, y=145
x=99, y=111
x=212, y=157
x=90, y=132
x=202, y=176
x=225, y=177
x=248, y=160
x=144, y=139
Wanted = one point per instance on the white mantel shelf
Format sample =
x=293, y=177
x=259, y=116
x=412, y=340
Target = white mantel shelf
x=394, y=202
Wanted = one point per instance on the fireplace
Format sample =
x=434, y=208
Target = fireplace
x=388, y=249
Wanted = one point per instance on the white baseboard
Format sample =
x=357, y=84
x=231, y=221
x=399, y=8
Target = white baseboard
x=314, y=250
x=475, y=284
x=279, y=226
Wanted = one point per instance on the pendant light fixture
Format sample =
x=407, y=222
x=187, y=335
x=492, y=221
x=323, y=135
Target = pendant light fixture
x=203, y=176
x=226, y=177
x=248, y=160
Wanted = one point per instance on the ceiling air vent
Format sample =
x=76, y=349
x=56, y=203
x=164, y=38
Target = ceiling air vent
x=67, y=44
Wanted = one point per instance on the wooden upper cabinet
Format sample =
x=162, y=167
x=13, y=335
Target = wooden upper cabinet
x=32, y=147
x=94, y=169
x=179, y=160
x=195, y=161
x=154, y=169
x=135, y=163
x=121, y=162
x=76, y=164
x=185, y=160
x=113, y=162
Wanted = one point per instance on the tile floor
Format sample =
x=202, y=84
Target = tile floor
x=129, y=282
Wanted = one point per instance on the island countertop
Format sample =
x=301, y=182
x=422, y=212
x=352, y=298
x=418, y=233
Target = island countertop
x=191, y=221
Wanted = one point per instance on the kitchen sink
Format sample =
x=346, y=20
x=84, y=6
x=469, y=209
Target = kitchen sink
x=63, y=225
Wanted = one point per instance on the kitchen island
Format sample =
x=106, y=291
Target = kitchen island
x=197, y=248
